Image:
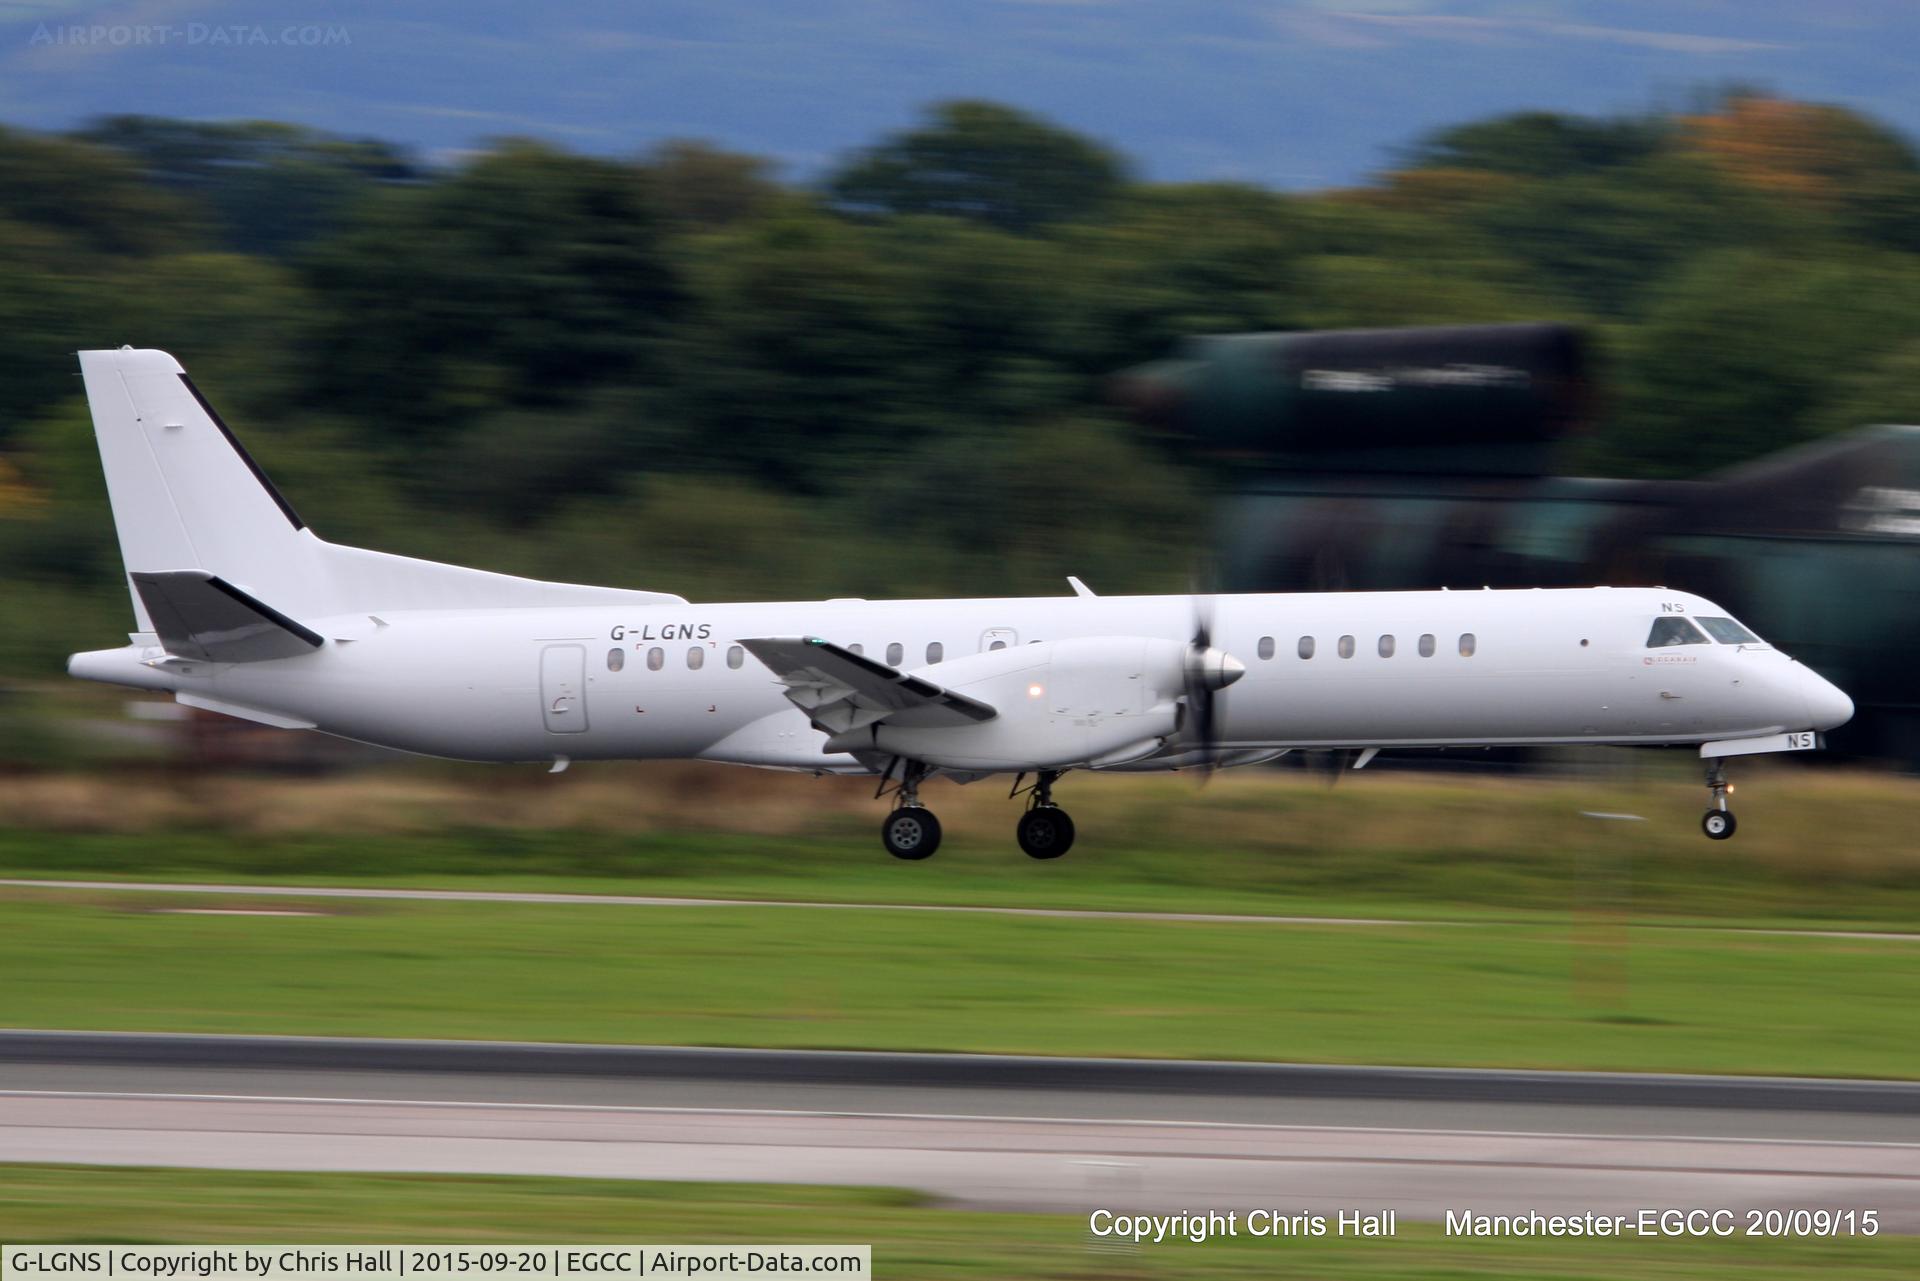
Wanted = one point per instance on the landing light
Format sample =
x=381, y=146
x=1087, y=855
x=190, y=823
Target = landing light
x=1035, y=691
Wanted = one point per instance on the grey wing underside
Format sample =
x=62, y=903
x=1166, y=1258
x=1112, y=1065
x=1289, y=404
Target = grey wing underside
x=840, y=690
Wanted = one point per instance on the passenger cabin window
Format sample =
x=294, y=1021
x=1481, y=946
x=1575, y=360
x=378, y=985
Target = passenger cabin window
x=1306, y=647
x=895, y=652
x=1467, y=644
x=1266, y=647
x=1426, y=645
x=1386, y=647
x=1346, y=647
x=1674, y=631
x=656, y=659
x=696, y=658
x=735, y=656
x=999, y=644
x=616, y=659
x=1728, y=632
x=856, y=648
x=935, y=652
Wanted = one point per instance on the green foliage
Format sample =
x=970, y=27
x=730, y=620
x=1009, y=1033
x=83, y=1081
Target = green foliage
x=1738, y=354
x=270, y=187
x=242, y=325
x=53, y=300
x=1821, y=159
x=698, y=187
x=798, y=349
x=986, y=162
x=1604, y=241
x=1066, y=496
x=1541, y=144
x=1173, y=261
x=520, y=279
x=65, y=536
x=86, y=193
x=1887, y=391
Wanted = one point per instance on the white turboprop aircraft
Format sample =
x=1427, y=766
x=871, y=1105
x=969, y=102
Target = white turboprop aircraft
x=241, y=609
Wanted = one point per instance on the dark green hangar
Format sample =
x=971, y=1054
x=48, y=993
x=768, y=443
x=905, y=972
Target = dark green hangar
x=1403, y=459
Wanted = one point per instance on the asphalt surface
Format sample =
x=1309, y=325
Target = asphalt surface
x=983, y=1131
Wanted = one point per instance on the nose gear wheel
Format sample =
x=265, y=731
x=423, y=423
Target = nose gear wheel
x=1718, y=822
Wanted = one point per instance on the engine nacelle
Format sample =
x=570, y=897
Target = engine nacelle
x=1091, y=701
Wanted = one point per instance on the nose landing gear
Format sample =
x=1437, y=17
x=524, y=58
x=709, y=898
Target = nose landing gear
x=1045, y=831
x=1718, y=823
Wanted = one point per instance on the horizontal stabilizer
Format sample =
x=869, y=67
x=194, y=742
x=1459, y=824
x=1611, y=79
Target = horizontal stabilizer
x=840, y=690
x=199, y=615
x=239, y=712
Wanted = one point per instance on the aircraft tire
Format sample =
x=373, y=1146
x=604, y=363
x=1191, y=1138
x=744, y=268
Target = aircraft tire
x=1718, y=824
x=911, y=833
x=1045, y=832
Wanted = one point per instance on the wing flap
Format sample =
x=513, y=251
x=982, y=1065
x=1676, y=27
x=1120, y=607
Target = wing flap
x=201, y=615
x=840, y=690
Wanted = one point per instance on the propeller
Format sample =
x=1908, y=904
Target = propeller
x=1335, y=762
x=1208, y=671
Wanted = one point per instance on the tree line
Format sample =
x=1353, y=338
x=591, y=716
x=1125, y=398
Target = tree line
x=680, y=371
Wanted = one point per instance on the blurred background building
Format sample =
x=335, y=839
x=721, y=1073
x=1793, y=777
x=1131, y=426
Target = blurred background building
x=1388, y=460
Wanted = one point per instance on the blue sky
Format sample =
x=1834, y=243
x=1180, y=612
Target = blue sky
x=1285, y=93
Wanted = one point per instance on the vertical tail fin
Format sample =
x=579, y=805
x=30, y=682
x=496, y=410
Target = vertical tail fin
x=185, y=495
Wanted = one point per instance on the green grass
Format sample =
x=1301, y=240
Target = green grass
x=1813, y=849
x=1592, y=995
x=47, y=1204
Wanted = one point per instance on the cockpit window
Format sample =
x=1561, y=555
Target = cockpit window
x=1674, y=631
x=1728, y=632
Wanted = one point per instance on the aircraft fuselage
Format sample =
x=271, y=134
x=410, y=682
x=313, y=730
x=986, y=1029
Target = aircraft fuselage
x=1544, y=667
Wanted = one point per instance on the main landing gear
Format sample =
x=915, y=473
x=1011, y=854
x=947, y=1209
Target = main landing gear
x=1045, y=830
x=1718, y=823
x=911, y=831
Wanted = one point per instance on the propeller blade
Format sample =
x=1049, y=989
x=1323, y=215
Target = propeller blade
x=1338, y=761
x=1208, y=671
x=1202, y=622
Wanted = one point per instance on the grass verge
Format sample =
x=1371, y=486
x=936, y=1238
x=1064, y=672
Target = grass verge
x=1596, y=995
x=1813, y=848
x=43, y=1203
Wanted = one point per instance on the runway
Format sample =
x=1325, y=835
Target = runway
x=978, y=1131
x=653, y=900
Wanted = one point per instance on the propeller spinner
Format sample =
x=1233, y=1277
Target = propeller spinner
x=1208, y=671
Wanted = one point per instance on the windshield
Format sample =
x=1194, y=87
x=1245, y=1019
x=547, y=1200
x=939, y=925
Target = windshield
x=1728, y=632
x=1674, y=631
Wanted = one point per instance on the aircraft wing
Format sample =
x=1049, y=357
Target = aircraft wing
x=840, y=690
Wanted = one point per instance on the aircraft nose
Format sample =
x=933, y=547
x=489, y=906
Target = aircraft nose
x=1827, y=705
